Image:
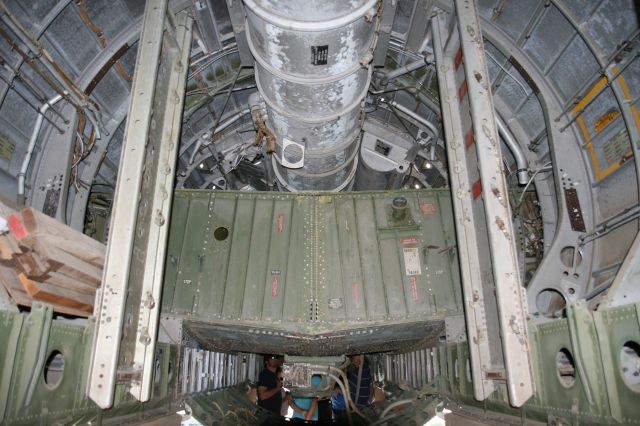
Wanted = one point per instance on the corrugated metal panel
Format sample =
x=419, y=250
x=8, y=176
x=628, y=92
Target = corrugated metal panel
x=310, y=264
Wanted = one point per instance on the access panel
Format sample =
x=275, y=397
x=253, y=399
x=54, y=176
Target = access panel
x=312, y=274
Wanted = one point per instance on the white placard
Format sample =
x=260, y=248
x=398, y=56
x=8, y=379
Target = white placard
x=412, y=261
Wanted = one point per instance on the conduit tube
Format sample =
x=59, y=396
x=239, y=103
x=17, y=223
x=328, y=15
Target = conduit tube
x=516, y=150
x=32, y=144
x=408, y=112
x=313, y=73
x=405, y=69
x=514, y=147
x=222, y=126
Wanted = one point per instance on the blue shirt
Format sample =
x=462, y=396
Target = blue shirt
x=337, y=402
x=305, y=404
x=365, y=385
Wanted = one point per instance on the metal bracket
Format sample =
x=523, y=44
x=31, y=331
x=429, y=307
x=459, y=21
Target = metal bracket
x=127, y=311
x=386, y=24
x=455, y=328
x=494, y=299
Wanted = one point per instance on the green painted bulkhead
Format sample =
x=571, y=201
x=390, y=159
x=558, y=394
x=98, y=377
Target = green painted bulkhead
x=312, y=274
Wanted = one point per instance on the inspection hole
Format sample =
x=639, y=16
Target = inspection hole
x=293, y=153
x=566, y=368
x=567, y=256
x=630, y=365
x=551, y=303
x=468, y=369
x=53, y=369
x=221, y=233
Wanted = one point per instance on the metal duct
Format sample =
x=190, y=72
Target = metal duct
x=312, y=70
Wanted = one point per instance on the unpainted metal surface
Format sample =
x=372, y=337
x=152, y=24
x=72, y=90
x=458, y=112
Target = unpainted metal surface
x=313, y=74
x=128, y=308
x=495, y=309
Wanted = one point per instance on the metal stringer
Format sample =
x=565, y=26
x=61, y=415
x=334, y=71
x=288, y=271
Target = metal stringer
x=127, y=311
x=495, y=306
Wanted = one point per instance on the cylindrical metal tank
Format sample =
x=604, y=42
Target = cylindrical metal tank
x=312, y=70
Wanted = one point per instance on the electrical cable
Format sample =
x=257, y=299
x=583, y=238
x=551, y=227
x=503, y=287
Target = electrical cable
x=348, y=395
x=344, y=393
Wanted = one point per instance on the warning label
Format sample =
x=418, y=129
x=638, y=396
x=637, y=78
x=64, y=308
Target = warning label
x=428, y=208
x=410, y=240
x=319, y=55
x=412, y=261
x=414, y=288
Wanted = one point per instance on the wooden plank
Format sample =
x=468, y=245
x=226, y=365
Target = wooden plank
x=65, y=263
x=35, y=222
x=56, y=279
x=56, y=296
x=10, y=281
x=92, y=255
x=30, y=263
x=9, y=247
x=43, y=259
x=30, y=226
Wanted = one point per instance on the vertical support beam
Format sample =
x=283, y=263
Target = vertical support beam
x=494, y=298
x=128, y=310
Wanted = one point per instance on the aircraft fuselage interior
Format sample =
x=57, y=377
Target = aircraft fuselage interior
x=362, y=212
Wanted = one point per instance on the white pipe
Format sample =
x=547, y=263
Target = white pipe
x=32, y=145
x=403, y=109
x=514, y=147
x=222, y=126
x=516, y=150
x=344, y=396
x=412, y=66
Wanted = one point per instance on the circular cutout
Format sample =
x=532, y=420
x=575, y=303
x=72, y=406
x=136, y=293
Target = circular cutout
x=221, y=233
x=455, y=369
x=293, y=153
x=551, y=303
x=567, y=256
x=630, y=365
x=565, y=367
x=53, y=369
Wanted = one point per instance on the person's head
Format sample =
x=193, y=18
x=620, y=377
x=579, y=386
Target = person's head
x=272, y=362
x=357, y=360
